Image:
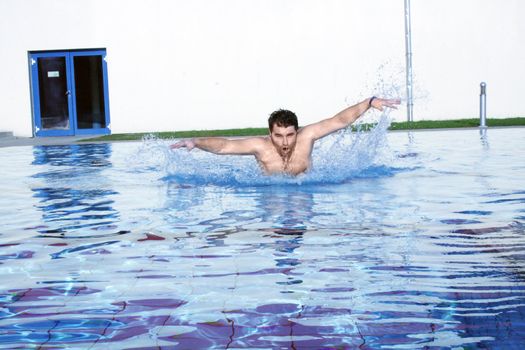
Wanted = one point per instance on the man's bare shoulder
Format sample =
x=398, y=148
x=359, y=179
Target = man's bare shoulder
x=261, y=139
x=260, y=142
x=255, y=140
x=253, y=144
x=307, y=133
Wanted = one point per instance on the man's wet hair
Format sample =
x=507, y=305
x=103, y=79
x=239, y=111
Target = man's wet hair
x=283, y=118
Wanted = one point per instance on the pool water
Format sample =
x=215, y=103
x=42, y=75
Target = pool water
x=393, y=241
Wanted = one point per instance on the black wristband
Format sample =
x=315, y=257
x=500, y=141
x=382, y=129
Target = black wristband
x=370, y=102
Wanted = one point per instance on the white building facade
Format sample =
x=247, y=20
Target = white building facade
x=159, y=65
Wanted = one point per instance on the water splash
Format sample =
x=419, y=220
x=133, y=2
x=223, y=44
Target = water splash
x=346, y=155
x=152, y=155
x=389, y=81
x=337, y=158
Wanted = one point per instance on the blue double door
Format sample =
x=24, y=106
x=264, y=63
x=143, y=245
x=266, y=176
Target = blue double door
x=69, y=93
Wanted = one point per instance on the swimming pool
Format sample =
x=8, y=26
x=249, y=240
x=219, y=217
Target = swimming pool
x=394, y=241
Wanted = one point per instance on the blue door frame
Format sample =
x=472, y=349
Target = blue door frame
x=70, y=124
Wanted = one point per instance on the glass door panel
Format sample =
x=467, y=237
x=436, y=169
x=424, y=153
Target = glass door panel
x=69, y=92
x=54, y=93
x=89, y=92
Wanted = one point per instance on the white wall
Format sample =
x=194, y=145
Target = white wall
x=459, y=43
x=213, y=64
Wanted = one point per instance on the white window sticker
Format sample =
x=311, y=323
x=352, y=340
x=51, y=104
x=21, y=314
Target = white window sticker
x=53, y=74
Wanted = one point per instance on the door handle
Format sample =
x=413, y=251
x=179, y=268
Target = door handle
x=68, y=93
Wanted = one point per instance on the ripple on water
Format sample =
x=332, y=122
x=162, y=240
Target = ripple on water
x=137, y=248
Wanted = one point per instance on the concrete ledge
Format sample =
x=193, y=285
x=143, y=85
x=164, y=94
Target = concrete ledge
x=13, y=141
x=6, y=134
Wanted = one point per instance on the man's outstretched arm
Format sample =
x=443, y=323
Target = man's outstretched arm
x=219, y=145
x=347, y=116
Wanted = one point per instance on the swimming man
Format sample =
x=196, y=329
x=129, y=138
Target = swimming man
x=287, y=149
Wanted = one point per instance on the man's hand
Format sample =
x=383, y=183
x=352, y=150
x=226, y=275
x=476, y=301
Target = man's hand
x=381, y=103
x=187, y=143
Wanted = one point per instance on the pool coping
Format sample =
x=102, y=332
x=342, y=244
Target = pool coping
x=14, y=141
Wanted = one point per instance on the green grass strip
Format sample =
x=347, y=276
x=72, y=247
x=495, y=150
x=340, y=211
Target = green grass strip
x=182, y=134
x=417, y=125
x=454, y=123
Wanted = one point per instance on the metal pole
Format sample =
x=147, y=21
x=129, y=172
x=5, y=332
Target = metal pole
x=408, y=46
x=483, y=106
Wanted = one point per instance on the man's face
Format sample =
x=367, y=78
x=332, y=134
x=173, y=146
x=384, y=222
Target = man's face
x=284, y=138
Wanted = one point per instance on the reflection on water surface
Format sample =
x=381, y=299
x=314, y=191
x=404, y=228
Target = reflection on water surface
x=417, y=245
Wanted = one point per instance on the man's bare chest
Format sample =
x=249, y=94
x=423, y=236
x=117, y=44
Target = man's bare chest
x=298, y=162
